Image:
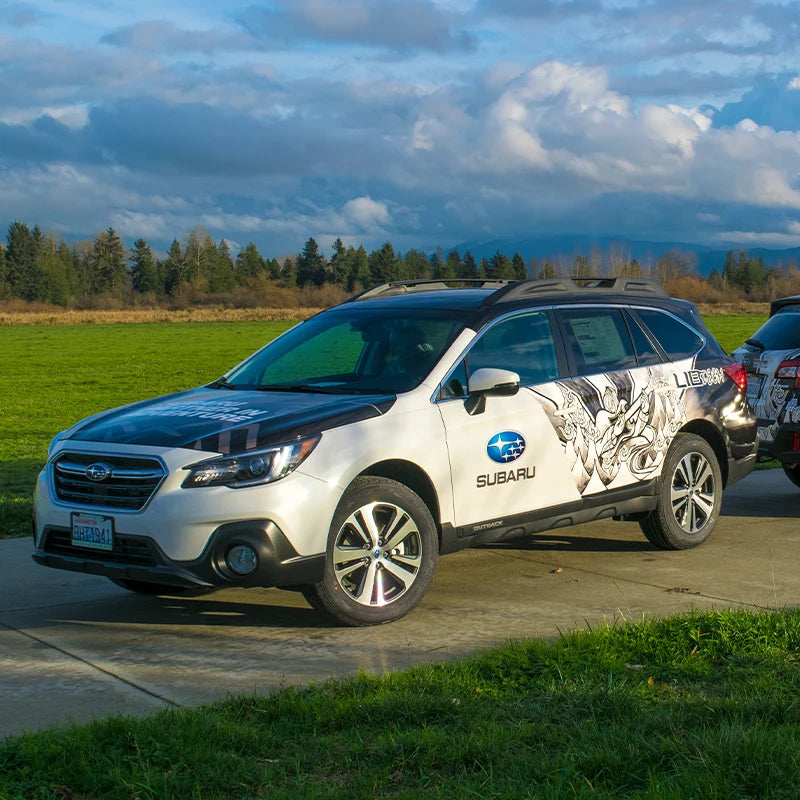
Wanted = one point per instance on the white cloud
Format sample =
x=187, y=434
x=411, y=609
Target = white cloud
x=366, y=213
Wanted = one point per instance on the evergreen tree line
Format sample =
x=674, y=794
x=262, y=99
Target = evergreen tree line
x=37, y=267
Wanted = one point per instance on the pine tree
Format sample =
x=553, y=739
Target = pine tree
x=519, y=267
x=452, y=266
x=274, y=269
x=20, y=259
x=500, y=267
x=311, y=265
x=417, y=265
x=469, y=269
x=729, y=269
x=106, y=263
x=4, y=287
x=174, y=270
x=384, y=264
x=289, y=273
x=361, y=275
x=548, y=271
x=340, y=265
x=221, y=277
x=55, y=270
x=143, y=267
x=249, y=263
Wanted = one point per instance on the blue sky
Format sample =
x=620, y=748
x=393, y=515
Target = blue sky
x=422, y=122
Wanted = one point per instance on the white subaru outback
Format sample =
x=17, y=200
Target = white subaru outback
x=414, y=420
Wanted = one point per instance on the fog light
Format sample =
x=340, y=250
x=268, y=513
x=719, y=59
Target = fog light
x=242, y=559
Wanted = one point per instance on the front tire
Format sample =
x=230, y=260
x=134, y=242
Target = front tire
x=689, y=495
x=381, y=555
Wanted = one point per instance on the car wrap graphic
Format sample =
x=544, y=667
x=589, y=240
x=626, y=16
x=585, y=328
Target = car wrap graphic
x=775, y=401
x=616, y=428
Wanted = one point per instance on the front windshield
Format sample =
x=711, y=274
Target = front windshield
x=353, y=350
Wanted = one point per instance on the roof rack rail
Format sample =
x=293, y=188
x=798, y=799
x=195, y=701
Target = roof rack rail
x=521, y=290
x=428, y=285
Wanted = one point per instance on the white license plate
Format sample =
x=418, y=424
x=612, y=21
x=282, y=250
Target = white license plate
x=93, y=530
x=754, y=387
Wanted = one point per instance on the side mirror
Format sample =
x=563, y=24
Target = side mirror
x=489, y=381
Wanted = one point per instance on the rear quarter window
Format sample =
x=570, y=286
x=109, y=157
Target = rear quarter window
x=781, y=332
x=676, y=339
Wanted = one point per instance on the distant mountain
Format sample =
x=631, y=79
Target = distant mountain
x=563, y=249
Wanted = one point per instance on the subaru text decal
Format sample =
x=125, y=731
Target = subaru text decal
x=505, y=446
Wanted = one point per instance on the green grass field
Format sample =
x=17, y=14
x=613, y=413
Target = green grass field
x=699, y=706
x=54, y=375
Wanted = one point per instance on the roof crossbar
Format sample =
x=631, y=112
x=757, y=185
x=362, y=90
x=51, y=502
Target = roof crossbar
x=521, y=290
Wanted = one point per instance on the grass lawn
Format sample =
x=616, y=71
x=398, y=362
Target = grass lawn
x=698, y=706
x=54, y=375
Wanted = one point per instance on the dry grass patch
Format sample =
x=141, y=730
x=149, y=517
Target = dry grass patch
x=738, y=307
x=197, y=314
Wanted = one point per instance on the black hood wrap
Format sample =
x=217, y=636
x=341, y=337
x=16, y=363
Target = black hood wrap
x=224, y=421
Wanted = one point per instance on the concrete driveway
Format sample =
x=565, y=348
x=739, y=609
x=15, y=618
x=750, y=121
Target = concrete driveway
x=75, y=647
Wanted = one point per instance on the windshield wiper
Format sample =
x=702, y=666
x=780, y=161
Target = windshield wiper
x=222, y=383
x=307, y=388
x=755, y=343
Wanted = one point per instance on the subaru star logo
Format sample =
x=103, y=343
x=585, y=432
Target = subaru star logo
x=98, y=472
x=505, y=446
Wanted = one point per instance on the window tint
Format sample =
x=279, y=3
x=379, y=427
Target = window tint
x=523, y=344
x=781, y=332
x=597, y=339
x=676, y=339
x=355, y=349
x=646, y=352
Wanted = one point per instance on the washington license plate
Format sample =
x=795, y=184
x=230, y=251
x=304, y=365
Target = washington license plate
x=754, y=387
x=93, y=530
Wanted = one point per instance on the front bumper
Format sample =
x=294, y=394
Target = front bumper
x=139, y=558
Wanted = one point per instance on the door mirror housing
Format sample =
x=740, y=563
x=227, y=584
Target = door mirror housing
x=489, y=381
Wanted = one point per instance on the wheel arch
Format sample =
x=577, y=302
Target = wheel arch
x=708, y=431
x=415, y=478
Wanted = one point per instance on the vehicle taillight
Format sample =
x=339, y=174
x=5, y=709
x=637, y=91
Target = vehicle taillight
x=738, y=374
x=789, y=370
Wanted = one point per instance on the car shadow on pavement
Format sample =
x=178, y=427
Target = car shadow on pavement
x=264, y=611
x=560, y=541
x=774, y=505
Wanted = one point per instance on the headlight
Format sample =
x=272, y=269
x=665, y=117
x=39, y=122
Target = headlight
x=252, y=468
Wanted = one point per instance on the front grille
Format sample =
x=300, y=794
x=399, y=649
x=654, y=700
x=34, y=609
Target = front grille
x=131, y=550
x=130, y=483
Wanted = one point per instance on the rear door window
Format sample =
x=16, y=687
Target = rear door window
x=597, y=340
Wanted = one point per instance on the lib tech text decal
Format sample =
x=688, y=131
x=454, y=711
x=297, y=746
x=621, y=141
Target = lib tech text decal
x=700, y=377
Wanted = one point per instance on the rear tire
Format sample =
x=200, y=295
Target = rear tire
x=793, y=473
x=689, y=495
x=381, y=555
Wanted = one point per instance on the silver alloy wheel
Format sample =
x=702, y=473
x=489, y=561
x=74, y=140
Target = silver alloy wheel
x=377, y=554
x=692, y=492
